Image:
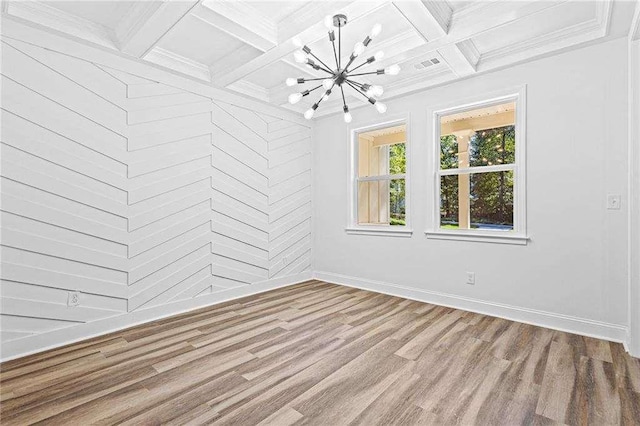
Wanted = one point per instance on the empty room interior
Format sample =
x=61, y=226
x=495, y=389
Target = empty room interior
x=243, y=212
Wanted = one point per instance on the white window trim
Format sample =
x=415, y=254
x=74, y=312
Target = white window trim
x=519, y=234
x=353, y=228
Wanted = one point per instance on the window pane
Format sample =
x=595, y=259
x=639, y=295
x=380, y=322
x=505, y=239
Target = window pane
x=493, y=147
x=449, y=202
x=492, y=201
x=482, y=201
x=397, y=159
x=397, y=206
x=448, y=152
x=483, y=136
x=381, y=202
x=382, y=152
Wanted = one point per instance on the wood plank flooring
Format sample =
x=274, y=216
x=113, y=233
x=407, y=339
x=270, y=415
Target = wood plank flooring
x=323, y=354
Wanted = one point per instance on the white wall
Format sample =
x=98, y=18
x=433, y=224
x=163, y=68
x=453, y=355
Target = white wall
x=634, y=185
x=573, y=272
x=146, y=192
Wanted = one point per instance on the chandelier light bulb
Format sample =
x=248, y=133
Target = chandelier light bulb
x=376, y=30
x=294, y=98
x=392, y=70
x=291, y=82
x=347, y=117
x=328, y=22
x=326, y=95
x=299, y=56
x=309, y=113
x=327, y=83
x=382, y=108
x=358, y=49
x=376, y=91
x=379, y=55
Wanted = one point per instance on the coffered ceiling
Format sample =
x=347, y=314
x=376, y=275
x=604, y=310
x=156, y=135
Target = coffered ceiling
x=247, y=46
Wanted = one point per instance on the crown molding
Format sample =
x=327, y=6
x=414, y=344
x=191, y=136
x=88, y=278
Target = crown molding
x=550, y=42
x=51, y=17
x=247, y=88
x=178, y=63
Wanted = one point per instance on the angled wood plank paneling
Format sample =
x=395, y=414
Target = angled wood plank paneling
x=289, y=198
x=137, y=194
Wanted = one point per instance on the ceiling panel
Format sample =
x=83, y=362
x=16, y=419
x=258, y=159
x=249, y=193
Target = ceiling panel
x=201, y=42
x=106, y=13
x=274, y=75
x=276, y=11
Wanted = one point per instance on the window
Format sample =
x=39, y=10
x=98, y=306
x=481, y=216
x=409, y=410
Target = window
x=379, y=179
x=480, y=171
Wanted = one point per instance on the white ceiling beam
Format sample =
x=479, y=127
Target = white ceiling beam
x=308, y=35
x=43, y=14
x=431, y=20
x=239, y=20
x=146, y=33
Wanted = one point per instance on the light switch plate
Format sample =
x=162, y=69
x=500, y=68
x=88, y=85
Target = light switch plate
x=613, y=202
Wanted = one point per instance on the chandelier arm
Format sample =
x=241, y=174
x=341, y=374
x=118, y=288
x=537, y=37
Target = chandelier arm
x=357, y=89
x=320, y=68
x=335, y=53
x=361, y=65
x=344, y=102
x=317, y=87
x=314, y=79
x=355, y=82
x=353, y=58
x=364, y=73
x=320, y=60
x=339, y=47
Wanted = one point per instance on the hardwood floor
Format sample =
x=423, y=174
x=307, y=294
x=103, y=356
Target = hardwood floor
x=317, y=353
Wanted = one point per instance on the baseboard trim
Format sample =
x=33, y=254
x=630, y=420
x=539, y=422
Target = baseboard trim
x=57, y=338
x=567, y=323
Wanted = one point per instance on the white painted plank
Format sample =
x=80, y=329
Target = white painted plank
x=43, y=143
x=50, y=115
x=55, y=295
x=232, y=126
x=165, y=112
x=82, y=72
x=63, y=235
x=36, y=196
x=21, y=307
x=56, y=87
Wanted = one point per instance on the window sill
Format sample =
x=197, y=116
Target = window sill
x=382, y=230
x=478, y=237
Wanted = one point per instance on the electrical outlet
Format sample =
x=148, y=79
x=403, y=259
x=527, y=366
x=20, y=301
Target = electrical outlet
x=471, y=278
x=613, y=202
x=73, y=299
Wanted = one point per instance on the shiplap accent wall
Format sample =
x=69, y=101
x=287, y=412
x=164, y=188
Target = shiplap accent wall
x=140, y=195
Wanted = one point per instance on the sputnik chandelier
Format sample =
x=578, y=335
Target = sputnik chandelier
x=343, y=75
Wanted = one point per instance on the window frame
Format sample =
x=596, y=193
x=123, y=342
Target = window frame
x=519, y=233
x=353, y=227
